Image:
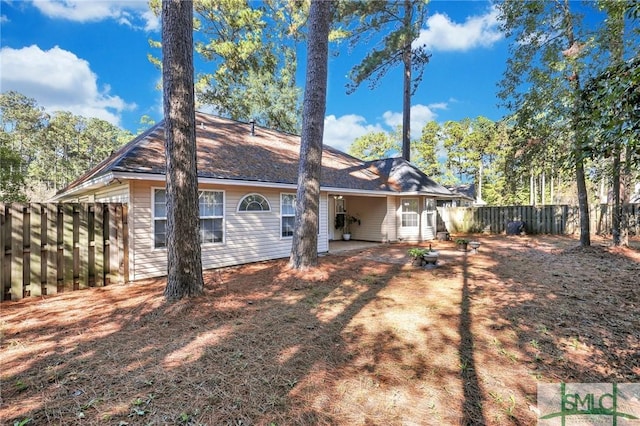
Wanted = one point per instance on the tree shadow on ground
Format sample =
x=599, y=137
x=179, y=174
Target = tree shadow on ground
x=233, y=356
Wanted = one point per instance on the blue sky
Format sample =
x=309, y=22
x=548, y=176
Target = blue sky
x=90, y=57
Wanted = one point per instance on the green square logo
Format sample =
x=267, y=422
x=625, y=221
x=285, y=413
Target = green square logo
x=582, y=404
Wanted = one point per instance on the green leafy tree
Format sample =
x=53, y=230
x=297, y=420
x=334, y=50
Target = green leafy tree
x=184, y=277
x=48, y=151
x=545, y=71
x=251, y=49
x=426, y=149
x=12, y=179
x=400, y=23
x=304, y=247
x=610, y=110
x=375, y=145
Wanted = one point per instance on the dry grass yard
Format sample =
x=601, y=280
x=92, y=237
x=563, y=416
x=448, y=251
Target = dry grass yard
x=366, y=339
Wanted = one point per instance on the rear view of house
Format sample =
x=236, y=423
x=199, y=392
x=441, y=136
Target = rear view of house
x=247, y=179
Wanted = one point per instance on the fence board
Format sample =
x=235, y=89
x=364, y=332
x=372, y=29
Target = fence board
x=35, y=250
x=125, y=243
x=52, y=249
x=98, y=244
x=5, y=281
x=549, y=219
x=112, y=263
x=17, y=251
x=83, y=246
x=67, y=247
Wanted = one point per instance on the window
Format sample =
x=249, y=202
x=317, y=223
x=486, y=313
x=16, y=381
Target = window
x=430, y=209
x=409, y=212
x=254, y=202
x=160, y=218
x=211, y=206
x=287, y=214
x=211, y=211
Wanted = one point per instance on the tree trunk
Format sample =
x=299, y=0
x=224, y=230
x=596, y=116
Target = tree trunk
x=184, y=274
x=304, y=247
x=406, y=94
x=574, y=78
x=616, y=216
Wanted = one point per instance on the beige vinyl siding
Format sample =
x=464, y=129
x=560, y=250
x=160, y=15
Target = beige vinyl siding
x=112, y=194
x=390, y=222
x=248, y=236
x=372, y=212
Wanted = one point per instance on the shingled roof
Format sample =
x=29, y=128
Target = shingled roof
x=229, y=150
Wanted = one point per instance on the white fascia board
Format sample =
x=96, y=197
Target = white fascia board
x=96, y=182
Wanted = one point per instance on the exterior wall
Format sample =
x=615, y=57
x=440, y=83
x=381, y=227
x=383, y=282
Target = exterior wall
x=113, y=194
x=391, y=219
x=373, y=214
x=248, y=236
x=424, y=231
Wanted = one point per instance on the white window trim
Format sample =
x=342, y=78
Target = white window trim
x=417, y=214
x=253, y=211
x=154, y=218
x=288, y=237
x=223, y=217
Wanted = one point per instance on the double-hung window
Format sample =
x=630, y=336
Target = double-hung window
x=159, y=218
x=287, y=214
x=210, y=209
x=430, y=209
x=409, y=212
x=211, y=206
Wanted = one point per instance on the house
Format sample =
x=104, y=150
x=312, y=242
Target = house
x=467, y=195
x=247, y=180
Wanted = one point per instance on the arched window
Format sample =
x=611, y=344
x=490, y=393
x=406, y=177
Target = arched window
x=254, y=203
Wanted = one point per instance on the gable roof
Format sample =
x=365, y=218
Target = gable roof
x=227, y=150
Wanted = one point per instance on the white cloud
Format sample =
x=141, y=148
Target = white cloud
x=340, y=132
x=59, y=80
x=445, y=35
x=420, y=115
x=124, y=12
x=4, y=19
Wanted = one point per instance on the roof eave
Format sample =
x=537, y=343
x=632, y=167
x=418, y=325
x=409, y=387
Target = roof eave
x=96, y=182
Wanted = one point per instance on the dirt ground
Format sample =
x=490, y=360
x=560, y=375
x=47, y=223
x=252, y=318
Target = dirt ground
x=364, y=339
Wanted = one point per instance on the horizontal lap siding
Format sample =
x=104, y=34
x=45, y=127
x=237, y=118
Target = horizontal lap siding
x=113, y=194
x=391, y=219
x=372, y=212
x=249, y=236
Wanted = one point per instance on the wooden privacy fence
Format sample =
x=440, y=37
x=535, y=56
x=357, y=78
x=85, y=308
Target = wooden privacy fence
x=54, y=248
x=551, y=219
